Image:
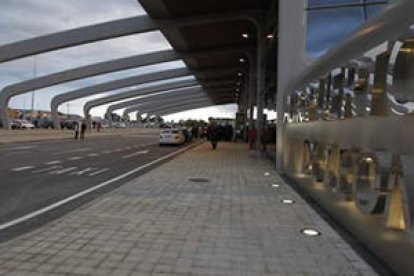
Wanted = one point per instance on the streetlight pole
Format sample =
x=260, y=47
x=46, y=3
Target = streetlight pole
x=33, y=92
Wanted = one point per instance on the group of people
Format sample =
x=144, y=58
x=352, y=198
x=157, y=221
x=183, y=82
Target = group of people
x=80, y=129
x=213, y=135
x=252, y=137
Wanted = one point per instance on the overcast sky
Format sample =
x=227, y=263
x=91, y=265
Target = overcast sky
x=23, y=19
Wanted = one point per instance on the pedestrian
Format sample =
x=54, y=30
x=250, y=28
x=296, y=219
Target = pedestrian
x=265, y=138
x=212, y=134
x=83, y=129
x=76, y=128
x=252, y=135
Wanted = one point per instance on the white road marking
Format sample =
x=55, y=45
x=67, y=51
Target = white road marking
x=81, y=149
x=22, y=168
x=47, y=169
x=93, y=154
x=128, y=148
x=75, y=158
x=107, y=151
x=81, y=172
x=118, y=150
x=58, y=172
x=87, y=191
x=23, y=148
x=53, y=162
x=135, y=154
x=99, y=172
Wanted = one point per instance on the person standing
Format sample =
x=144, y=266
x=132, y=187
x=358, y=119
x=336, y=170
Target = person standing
x=83, y=129
x=212, y=134
x=265, y=138
x=76, y=128
x=252, y=135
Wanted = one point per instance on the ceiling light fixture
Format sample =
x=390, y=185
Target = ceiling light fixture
x=310, y=232
x=245, y=35
x=239, y=74
x=270, y=36
x=275, y=186
x=242, y=60
x=288, y=201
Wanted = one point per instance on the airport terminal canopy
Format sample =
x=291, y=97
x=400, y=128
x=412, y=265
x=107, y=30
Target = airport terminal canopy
x=235, y=32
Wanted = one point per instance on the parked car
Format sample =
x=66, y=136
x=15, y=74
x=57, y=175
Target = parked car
x=43, y=123
x=21, y=124
x=119, y=125
x=68, y=124
x=172, y=136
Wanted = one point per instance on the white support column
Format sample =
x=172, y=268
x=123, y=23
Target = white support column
x=291, y=60
x=252, y=93
x=260, y=87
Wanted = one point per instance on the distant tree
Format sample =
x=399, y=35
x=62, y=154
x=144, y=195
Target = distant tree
x=159, y=119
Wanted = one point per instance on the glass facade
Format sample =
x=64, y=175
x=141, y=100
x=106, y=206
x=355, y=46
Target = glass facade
x=329, y=21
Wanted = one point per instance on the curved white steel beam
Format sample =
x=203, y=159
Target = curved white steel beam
x=150, y=106
x=177, y=95
x=102, y=68
x=167, y=111
x=163, y=109
x=113, y=29
x=57, y=101
x=139, y=92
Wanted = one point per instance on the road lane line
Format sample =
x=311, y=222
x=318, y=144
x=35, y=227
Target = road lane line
x=107, y=151
x=135, y=154
x=88, y=191
x=53, y=162
x=47, y=169
x=75, y=158
x=90, y=169
x=23, y=168
x=99, y=172
x=23, y=148
x=81, y=149
x=93, y=154
x=118, y=150
x=58, y=172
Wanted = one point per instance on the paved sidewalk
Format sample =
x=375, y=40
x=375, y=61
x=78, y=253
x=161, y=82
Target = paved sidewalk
x=170, y=222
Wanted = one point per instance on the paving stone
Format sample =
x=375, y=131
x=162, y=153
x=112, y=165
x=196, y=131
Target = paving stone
x=162, y=223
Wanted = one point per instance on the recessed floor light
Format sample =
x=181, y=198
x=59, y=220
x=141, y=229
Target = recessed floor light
x=275, y=186
x=266, y=174
x=288, y=201
x=310, y=232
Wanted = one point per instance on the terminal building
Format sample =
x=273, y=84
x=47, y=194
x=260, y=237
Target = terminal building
x=344, y=128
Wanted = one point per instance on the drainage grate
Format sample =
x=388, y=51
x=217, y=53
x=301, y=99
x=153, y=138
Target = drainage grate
x=199, y=180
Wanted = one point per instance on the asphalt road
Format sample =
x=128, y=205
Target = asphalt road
x=34, y=175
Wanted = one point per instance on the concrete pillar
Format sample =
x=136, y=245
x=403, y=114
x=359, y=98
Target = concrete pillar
x=260, y=87
x=291, y=61
x=252, y=81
